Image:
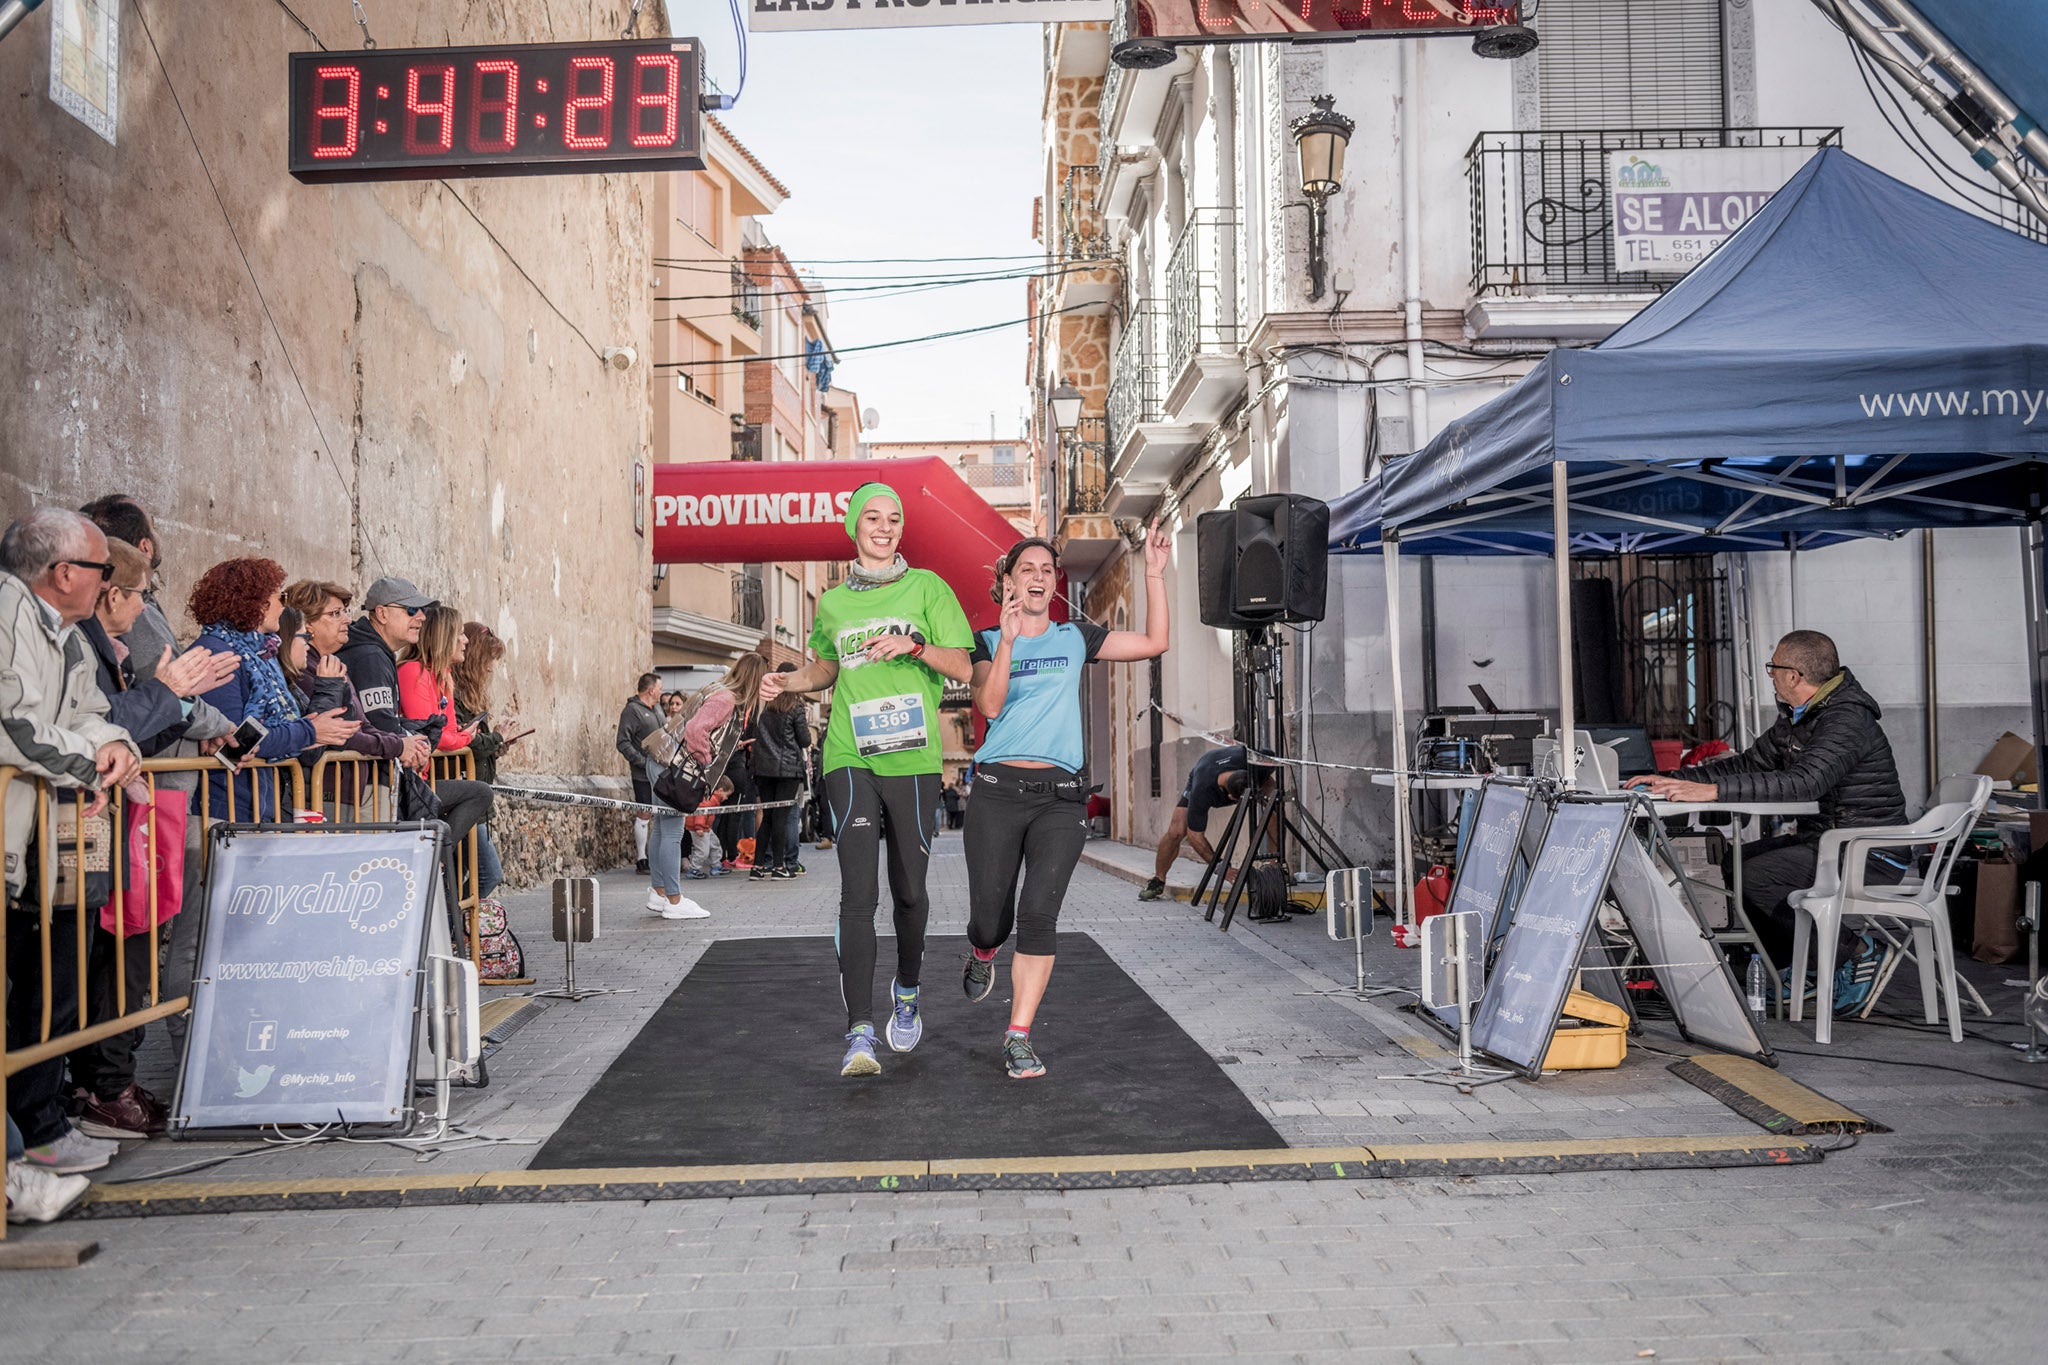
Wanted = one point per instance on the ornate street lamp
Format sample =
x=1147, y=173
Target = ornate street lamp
x=1320, y=138
x=1066, y=408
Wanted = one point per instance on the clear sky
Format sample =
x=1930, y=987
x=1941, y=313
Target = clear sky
x=912, y=142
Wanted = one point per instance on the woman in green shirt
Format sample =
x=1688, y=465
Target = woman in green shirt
x=885, y=641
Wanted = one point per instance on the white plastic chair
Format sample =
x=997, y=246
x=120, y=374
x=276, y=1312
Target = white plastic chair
x=1919, y=903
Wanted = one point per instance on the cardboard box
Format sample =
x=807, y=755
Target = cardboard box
x=2010, y=759
x=1997, y=938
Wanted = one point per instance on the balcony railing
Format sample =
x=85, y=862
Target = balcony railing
x=1200, y=279
x=1084, y=482
x=1137, y=378
x=1112, y=83
x=1084, y=235
x=746, y=298
x=749, y=604
x=746, y=441
x=1000, y=485
x=1541, y=220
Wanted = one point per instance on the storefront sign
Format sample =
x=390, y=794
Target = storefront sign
x=1672, y=207
x=788, y=16
x=538, y=109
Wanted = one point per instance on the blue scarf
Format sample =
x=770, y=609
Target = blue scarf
x=270, y=701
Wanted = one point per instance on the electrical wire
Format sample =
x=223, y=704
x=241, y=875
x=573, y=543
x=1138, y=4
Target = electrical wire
x=277, y=334
x=1923, y=1066
x=874, y=345
x=909, y=283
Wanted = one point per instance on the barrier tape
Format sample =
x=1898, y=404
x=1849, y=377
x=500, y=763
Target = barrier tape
x=610, y=803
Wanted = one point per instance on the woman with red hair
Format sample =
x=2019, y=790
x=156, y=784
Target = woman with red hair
x=237, y=604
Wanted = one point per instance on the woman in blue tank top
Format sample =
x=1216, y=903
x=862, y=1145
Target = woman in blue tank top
x=1029, y=811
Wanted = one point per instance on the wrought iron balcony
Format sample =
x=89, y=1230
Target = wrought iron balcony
x=749, y=603
x=1541, y=220
x=1200, y=279
x=1084, y=235
x=746, y=441
x=746, y=298
x=1084, y=470
x=1112, y=84
x=1137, y=377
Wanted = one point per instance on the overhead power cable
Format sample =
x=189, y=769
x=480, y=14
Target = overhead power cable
x=842, y=291
x=875, y=345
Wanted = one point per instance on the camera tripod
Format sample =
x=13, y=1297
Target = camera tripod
x=1271, y=810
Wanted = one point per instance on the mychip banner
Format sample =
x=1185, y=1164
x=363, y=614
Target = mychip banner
x=789, y=16
x=1672, y=206
x=310, y=969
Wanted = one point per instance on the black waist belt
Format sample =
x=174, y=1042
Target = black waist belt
x=1056, y=782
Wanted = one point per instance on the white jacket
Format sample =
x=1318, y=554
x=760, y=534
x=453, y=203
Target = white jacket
x=53, y=717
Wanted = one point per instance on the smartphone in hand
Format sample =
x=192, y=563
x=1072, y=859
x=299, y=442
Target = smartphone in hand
x=242, y=742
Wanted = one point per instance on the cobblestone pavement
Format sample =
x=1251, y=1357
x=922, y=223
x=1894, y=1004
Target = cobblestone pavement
x=1925, y=1243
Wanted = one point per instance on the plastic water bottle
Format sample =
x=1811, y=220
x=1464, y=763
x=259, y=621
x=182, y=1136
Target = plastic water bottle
x=1756, y=985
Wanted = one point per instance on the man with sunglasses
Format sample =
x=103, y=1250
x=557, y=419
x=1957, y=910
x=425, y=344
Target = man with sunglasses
x=393, y=612
x=53, y=725
x=1826, y=747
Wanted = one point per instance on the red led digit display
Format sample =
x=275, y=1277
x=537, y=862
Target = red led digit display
x=1197, y=21
x=549, y=108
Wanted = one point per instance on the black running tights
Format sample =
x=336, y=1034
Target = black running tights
x=1029, y=819
x=868, y=811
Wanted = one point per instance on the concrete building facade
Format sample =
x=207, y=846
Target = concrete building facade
x=356, y=380
x=1173, y=216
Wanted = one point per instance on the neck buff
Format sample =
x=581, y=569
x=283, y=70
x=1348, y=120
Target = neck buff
x=858, y=577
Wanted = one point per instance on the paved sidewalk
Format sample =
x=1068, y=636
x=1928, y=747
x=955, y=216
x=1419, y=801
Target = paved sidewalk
x=1921, y=1244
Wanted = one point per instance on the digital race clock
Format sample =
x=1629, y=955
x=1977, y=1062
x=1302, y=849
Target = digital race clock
x=546, y=109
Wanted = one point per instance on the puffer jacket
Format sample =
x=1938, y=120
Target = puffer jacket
x=780, y=738
x=1835, y=753
x=53, y=716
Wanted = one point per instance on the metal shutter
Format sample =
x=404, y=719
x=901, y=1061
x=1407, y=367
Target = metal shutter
x=1629, y=64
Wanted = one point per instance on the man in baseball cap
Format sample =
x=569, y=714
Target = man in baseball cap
x=397, y=592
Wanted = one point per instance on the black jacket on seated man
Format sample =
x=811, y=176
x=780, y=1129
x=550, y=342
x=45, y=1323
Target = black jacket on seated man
x=1834, y=752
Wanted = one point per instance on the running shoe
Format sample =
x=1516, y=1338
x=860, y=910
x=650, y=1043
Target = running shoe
x=695, y=874
x=1019, y=1058
x=1152, y=890
x=759, y=874
x=72, y=1154
x=906, y=1025
x=798, y=869
x=978, y=978
x=784, y=874
x=35, y=1195
x=860, y=1053
x=1857, y=975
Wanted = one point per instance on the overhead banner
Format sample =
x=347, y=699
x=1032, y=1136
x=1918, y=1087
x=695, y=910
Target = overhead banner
x=790, y=16
x=1674, y=206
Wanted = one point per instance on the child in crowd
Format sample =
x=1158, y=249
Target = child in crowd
x=705, y=853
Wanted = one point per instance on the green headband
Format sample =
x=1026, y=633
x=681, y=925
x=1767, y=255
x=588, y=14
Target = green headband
x=862, y=496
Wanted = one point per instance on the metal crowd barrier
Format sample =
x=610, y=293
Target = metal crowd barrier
x=342, y=786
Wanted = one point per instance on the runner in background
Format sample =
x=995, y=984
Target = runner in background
x=1029, y=811
x=886, y=640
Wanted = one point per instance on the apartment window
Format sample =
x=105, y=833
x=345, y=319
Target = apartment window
x=1625, y=64
x=695, y=374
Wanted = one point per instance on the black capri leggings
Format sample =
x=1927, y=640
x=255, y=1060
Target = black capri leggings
x=1035, y=819
x=872, y=813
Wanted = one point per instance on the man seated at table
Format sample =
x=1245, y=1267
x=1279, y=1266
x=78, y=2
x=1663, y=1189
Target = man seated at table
x=1826, y=747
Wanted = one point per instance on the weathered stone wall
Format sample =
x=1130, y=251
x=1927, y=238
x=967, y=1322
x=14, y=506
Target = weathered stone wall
x=430, y=400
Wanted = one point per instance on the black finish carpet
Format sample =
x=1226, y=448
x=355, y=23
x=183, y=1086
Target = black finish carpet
x=740, y=1065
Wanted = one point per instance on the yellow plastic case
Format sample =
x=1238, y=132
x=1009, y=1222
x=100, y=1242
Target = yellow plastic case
x=1592, y=1035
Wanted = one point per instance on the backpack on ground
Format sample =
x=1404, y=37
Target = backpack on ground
x=500, y=958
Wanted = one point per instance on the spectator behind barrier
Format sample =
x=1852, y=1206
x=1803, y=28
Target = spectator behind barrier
x=324, y=606
x=157, y=710
x=637, y=720
x=53, y=725
x=237, y=603
x=472, y=671
x=426, y=691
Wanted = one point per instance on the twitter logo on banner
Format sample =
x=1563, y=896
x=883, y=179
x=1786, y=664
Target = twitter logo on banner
x=252, y=1082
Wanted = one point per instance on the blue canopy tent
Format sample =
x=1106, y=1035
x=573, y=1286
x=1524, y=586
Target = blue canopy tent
x=1858, y=359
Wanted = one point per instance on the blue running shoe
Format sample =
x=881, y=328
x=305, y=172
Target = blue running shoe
x=860, y=1053
x=1856, y=976
x=906, y=1024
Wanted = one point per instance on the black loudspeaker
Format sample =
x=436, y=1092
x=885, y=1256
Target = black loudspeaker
x=1265, y=559
x=1598, y=693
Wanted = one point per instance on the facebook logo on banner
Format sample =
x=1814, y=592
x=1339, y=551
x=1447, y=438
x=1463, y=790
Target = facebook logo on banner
x=262, y=1035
